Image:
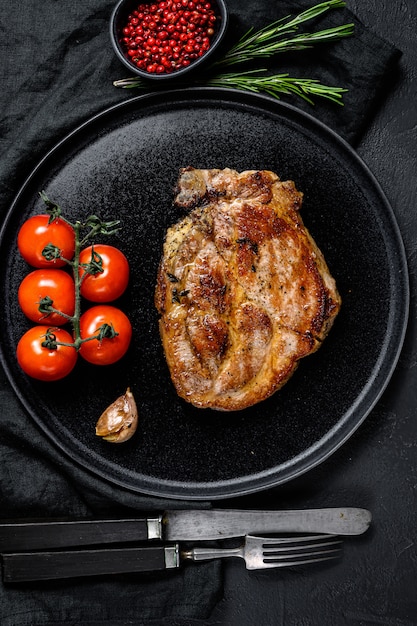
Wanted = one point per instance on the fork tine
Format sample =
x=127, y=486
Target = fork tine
x=294, y=544
x=268, y=552
x=291, y=551
x=304, y=561
x=298, y=539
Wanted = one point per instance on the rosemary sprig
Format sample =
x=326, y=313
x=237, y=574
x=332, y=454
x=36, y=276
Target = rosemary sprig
x=264, y=48
x=278, y=84
x=274, y=85
x=280, y=36
x=270, y=40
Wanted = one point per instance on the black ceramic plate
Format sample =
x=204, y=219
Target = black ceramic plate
x=124, y=164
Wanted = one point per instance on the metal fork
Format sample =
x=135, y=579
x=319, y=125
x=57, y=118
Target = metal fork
x=265, y=552
x=258, y=553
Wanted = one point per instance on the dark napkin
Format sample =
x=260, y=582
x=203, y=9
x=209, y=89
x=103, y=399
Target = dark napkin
x=58, y=70
x=364, y=64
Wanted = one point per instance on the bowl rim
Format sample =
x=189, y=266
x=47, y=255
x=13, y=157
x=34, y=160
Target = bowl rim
x=224, y=15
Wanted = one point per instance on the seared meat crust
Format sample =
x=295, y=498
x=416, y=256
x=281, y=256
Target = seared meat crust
x=243, y=291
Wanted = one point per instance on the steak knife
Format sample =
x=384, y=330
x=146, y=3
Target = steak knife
x=180, y=525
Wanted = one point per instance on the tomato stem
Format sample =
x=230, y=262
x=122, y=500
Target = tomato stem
x=77, y=282
x=95, y=226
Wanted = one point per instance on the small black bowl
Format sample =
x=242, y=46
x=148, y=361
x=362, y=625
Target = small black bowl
x=119, y=20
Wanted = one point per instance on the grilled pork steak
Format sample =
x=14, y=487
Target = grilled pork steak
x=243, y=291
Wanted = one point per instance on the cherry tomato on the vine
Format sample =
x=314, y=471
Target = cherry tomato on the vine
x=36, y=233
x=44, y=363
x=107, y=350
x=41, y=285
x=110, y=283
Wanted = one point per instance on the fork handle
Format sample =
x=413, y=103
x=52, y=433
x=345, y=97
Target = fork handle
x=205, y=554
x=57, y=564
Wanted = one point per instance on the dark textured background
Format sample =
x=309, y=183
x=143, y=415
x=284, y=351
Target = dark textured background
x=42, y=99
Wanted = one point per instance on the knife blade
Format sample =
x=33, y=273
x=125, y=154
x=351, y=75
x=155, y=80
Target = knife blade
x=180, y=525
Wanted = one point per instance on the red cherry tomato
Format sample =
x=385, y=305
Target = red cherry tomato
x=45, y=363
x=36, y=233
x=109, y=284
x=39, y=284
x=106, y=350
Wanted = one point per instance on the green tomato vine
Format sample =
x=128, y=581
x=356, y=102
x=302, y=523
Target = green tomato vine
x=84, y=232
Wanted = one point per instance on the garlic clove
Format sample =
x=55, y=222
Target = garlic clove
x=119, y=421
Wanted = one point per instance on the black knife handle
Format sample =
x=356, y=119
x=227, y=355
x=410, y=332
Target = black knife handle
x=37, y=566
x=39, y=535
